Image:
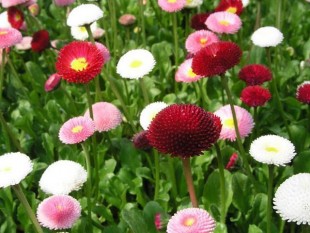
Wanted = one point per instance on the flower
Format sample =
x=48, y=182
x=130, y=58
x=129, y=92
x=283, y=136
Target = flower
x=199, y=39
x=76, y=130
x=303, y=92
x=255, y=74
x=9, y=3
x=98, y=33
x=232, y=161
x=52, y=82
x=63, y=2
x=9, y=37
x=63, y=177
x=25, y=43
x=291, y=200
x=149, y=112
x=40, y=41
x=104, y=51
x=106, y=116
x=267, y=37
x=79, y=62
x=185, y=72
x=198, y=21
x=245, y=3
x=224, y=22
x=140, y=140
x=135, y=64
x=84, y=14
x=255, y=96
x=80, y=32
x=272, y=149
x=244, y=120
x=158, y=222
x=34, y=9
x=14, y=167
x=15, y=17
x=191, y=220
x=171, y=5
x=184, y=130
x=216, y=58
x=193, y=3
x=232, y=6
x=127, y=19
x=4, y=20
x=58, y=212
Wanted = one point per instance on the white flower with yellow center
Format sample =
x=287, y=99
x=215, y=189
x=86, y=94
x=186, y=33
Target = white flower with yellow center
x=193, y=3
x=267, y=37
x=80, y=33
x=149, y=112
x=84, y=14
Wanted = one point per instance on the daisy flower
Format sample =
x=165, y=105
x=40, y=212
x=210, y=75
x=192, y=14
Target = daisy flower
x=171, y=5
x=255, y=74
x=267, y=37
x=9, y=3
x=185, y=72
x=244, y=120
x=224, y=22
x=80, y=32
x=25, y=43
x=98, y=33
x=303, y=92
x=52, y=82
x=245, y=3
x=199, y=39
x=84, y=14
x=15, y=17
x=149, y=112
x=104, y=51
x=254, y=96
x=9, y=37
x=198, y=21
x=14, y=167
x=135, y=64
x=272, y=149
x=232, y=6
x=40, y=41
x=34, y=9
x=76, y=130
x=140, y=141
x=4, y=20
x=193, y=3
x=63, y=2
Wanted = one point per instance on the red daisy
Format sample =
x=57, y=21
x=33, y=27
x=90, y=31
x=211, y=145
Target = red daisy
x=303, y=92
x=255, y=96
x=79, y=62
x=15, y=17
x=255, y=74
x=232, y=6
x=216, y=58
x=198, y=21
x=40, y=41
x=184, y=130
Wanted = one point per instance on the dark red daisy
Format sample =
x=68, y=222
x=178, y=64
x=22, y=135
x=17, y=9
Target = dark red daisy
x=303, y=92
x=255, y=96
x=140, y=141
x=40, y=41
x=184, y=130
x=198, y=21
x=216, y=58
x=232, y=6
x=15, y=17
x=79, y=62
x=255, y=74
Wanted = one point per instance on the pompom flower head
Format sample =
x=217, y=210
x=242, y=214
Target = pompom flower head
x=191, y=220
x=149, y=113
x=171, y=5
x=291, y=200
x=79, y=62
x=140, y=140
x=183, y=130
x=303, y=92
x=255, y=96
x=58, y=212
x=267, y=37
x=25, y=44
x=255, y=74
x=199, y=39
x=231, y=6
x=63, y=2
x=272, y=149
x=224, y=22
x=244, y=120
x=40, y=41
x=15, y=17
x=185, y=72
x=84, y=14
x=9, y=37
x=14, y=167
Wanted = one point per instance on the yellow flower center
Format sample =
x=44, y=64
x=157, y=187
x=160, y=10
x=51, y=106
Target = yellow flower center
x=172, y=1
x=6, y=169
x=189, y=221
x=189, y=1
x=17, y=17
x=271, y=149
x=232, y=10
x=82, y=29
x=77, y=129
x=59, y=207
x=229, y=123
x=135, y=64
x=224, y=22
x=190, y=73
x=3, y=33
x=203, y=41
x=79, y=64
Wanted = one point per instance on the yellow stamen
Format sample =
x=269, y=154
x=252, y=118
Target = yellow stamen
x=189, y=221
x=203, y=41
x=135, y=64
x=271, y=149
x=59, y=207
x=3, y=33
x=229, y=123
x=77, y=129
x=189, y=1
x=224, y=22
x=17, y=17
x=82, y=29
x=190, y=73
x=232, y=10
x=79, y=64
x=172, y=1
x=6, y=169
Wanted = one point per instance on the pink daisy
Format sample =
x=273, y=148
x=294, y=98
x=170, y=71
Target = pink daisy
x=171, y=5
x=244, y=118
x=9, y=3
x=106, y=116
x=25, y=44
x=185, y=73
x=58, y=212
x=76, y=130
x=224, y=22
x=9, y=37
x=199, y=39
x=191, y=220
x=52, y=82
x=105, y=52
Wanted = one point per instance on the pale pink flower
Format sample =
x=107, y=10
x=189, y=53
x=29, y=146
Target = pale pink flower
x=25, y=44
x=63, y=2
x=34, y=9
x=9, y=37
x=185, y=72
x=224, y=22
x=9, y=3
x=52, y=82
x=4, y=20
x=199, y=39
x=171, y=5
x=99, y=32
x=105, y=52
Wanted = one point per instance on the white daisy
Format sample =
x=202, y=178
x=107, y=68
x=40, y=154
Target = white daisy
x=4, y=20
x=14, y=167
x=267, y=37
x=272, y=149
x=84, y=14
x=193, y=3
x=135, y=64
x=292, y=199
x=245, y=3
x=80, y=33
x=149, y=112
x=63, y=177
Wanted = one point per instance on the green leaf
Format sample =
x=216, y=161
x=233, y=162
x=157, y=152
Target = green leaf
x=254, y=229
x=302, y=162
x=241, y=188
x=136, y=222
x=299, y=135
x=220, y=228
x=150, y=210
x=259, y=209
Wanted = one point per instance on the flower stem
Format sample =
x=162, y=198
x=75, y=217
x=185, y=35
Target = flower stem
x=189, y=181
x=111, y=4
x=156, y=159
x=142, y=22
x=89, y=101
x=270, y=192
x=305, y=228
x=144, y=91
x=279, y=14
x=2, y=71
x=176, y=46
x=22, y=198
x=172, y=177
x=258, y=14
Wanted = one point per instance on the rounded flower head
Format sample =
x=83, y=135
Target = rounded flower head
x=255, y=96
x=4, y=20
x=149, y=113
x=76, y=130
x=9, y=3
x=40, y=41
x=232, y=6
x=272, y=149
x=184, y=130
x=104, y=51
x=171, y=5
x=255, y=74
x=80, y=32
x=140, y=141
x=291, y=200
x=224, y=22
x=63, y=177
x=84, y=14
x=193, y=3
x=106, y=116
x=14, y=167
x=135, y=64
x=198, y=21
x=127, y=19
x=15, y=17
x=34, y=9
x=63, y=2
x=191, y=220
x=216, y=58
x=58, y=212
x=244, y=119
x=303, y=92
x=9, y=37
x=79, y=62
x=52, y=82
x=25, y=43
x=199, y=39
x=245, y=3
x=267, y=37
x=185, y=72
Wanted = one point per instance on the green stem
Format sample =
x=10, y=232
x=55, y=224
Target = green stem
x=189, y=181
x=282, y=224
x=172, y=177
x=111, y=4
x=91, y=114
x=176, y=40
x=279, y=14
x=16, y=75
x=142, y=21
x=144, y=91
x=305, y=229
x=2, y=72
x=156, y=159
x=22, y=198
x=292, y=227
x=258, y=14
x=222, y=181
x=270, y=193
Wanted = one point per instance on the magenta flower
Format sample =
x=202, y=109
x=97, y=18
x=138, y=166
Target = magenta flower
x=185, y=73
x=224, y=22
x=63, y=2
x=199, y=39
x=105, y=52
x=9, y=37
x=171, y=5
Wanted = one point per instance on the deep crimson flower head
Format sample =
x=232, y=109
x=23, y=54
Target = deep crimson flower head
x=40, y=41
x=15, y=17
x=303, y=92
x=184, y=130
x=255, y=74
x=255, y=96
x=232, y=161
x=198, y=21
x=79, y=62
x=140, y=141
x=216, y=58
x=232, y=6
